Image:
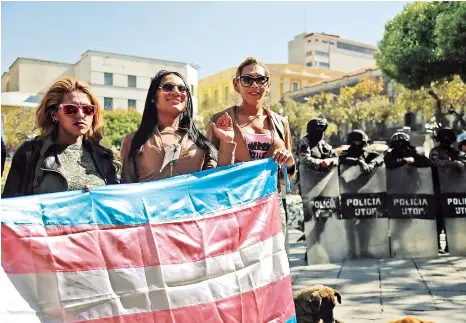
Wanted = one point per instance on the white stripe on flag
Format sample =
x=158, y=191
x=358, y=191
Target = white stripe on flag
x=102, y=293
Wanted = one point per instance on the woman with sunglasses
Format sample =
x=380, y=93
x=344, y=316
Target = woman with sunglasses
x=167, y=142
x=258, y=131
x=66, y=155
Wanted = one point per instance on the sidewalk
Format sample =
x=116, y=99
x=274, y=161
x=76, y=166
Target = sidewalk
x=382, y=290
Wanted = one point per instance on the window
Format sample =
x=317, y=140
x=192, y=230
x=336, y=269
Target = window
x=355, y=48
x=318, y=52
x=206, y=98
x=325, y=42
x=108, y=104
x=226, y=93
x=309, y=53
x=108, y=78
x=317, y=40
x=131, y=81
x=216, y=95
x=323, y=64
x=295, y=86
x=309, y=41
x=192, y=89
x=131, y=104
x=309, y=64
x=332, y=43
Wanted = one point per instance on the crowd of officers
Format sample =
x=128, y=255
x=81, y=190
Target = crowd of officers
x=318, y=155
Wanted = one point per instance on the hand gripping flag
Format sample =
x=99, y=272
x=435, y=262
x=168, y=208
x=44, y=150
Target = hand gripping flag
x=204, y=247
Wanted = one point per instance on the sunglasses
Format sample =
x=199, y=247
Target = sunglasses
x=170, y=87
x=71, y=109
x=247, y=80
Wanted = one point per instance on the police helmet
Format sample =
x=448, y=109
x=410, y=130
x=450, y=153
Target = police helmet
x=461, y=140
x=399, y=137
x=445, y=134
x=317, y=125
x=357, y=135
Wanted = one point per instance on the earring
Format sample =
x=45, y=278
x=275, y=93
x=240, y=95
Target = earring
x=54, y=120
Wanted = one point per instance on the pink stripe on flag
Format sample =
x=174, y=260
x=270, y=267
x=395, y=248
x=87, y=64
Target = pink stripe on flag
x=273, y=302
x=38, y=249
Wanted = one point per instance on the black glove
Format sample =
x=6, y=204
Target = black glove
x=365, y=168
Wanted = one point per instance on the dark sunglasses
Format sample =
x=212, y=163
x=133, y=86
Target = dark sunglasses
x=247, y=80
x=71, y=109
x=170, y=87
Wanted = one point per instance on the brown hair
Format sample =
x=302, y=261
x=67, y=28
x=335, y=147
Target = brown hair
x=249, y=61
x=54, y=96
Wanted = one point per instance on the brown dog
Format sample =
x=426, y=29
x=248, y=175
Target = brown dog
x=410, y=319
x=316, y=303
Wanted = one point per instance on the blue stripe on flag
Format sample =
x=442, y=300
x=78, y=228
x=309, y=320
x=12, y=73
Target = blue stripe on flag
x=170, y=199
x=292, y=319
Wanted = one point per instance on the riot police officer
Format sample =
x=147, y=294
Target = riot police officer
x=357, y=153
x=402, y=153
x=444, y=155
x=313, y=151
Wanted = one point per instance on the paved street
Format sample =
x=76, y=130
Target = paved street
x=382, y=290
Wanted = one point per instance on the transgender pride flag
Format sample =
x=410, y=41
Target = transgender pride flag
x=205, y=247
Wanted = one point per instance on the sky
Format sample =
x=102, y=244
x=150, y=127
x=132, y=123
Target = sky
x=213, y=35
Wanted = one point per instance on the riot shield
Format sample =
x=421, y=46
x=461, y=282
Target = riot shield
x=411, y=212
x=364, y=212
x=321, y=200
x=320, y=193
x=453, y=200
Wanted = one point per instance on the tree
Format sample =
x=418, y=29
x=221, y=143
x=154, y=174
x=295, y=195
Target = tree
x=451, y=93
x=298, y=115
x=205, y=111
x=351, y=101
x=424, y=44
x=382, y=111
x=19, y=126
x=119, y=123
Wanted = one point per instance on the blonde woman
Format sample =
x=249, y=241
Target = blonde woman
x=66, y=155
x=258, y=131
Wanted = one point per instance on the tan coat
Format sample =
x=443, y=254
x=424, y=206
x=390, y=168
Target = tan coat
x=278, y=123
x=149, y=161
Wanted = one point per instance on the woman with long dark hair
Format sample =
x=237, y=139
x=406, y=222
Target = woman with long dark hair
x=167, y=143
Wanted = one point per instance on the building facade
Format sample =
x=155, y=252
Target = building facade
x=413, y=122
x=330, y=52
x=119, y=81
x=218, y=89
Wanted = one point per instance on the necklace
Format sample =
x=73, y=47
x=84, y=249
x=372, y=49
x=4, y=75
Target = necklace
x=172, y=153
x=250, y=120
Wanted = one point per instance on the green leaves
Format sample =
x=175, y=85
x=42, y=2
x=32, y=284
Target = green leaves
x=119, y=123
x=19, y=126
x=424, y=43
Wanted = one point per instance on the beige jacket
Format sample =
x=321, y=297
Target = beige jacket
x=280, y=126
x=149, y=161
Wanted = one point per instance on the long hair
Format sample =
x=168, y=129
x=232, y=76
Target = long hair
x=150, y=119
x=54, y=96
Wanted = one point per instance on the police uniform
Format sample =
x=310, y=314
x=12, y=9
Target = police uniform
x=400, y=149
x=358, y=155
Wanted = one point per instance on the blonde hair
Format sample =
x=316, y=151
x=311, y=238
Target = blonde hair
x=54, y=96
x=250, y=61
x=237, y=100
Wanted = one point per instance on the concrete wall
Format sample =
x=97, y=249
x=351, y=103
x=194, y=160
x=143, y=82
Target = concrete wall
x=339, y=59
x=297, y=50
x=5, y=81
x=144, y=69
x=36, y=76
